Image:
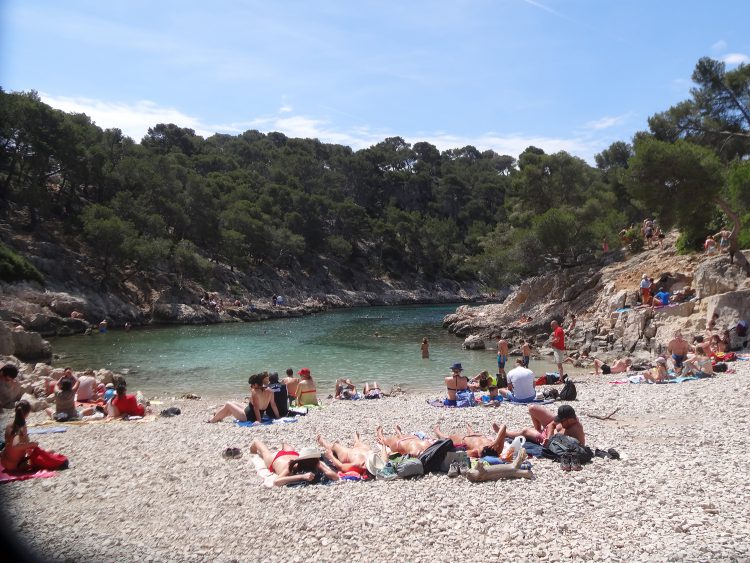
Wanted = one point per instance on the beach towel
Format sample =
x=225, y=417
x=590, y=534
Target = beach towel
x=53, y=430
x=267, y=421
x=9, y=476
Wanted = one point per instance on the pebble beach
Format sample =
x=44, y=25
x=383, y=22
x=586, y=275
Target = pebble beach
x=160, y=490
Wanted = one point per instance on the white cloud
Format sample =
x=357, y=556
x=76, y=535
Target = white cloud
x=735, y=58
x=719, y=46
x=134, y=119
x=607, y=122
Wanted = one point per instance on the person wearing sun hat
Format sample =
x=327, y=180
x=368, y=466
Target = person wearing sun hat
x=359, y=458
x=291, y=466
x=454, y=383
x=306, y=391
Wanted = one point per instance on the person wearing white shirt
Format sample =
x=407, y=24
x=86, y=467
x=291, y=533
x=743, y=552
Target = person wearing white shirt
x=520, y=384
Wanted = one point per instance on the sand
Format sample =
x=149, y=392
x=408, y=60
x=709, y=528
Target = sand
x=160, y=490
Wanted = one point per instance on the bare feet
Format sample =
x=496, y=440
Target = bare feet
x=496, y=427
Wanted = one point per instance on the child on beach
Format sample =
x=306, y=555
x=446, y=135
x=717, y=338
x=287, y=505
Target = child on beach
x=525, y=352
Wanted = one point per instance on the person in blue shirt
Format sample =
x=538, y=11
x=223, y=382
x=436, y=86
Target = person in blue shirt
x=661, y=298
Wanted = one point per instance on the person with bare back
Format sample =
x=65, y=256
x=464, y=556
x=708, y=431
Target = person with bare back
x=502, y=355
x=402, y=443
x=359, y=458
x=476, y=444
x=454, y=383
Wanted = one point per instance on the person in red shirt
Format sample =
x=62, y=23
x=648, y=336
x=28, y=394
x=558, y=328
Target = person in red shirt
x=125, y=405
x=558, y=345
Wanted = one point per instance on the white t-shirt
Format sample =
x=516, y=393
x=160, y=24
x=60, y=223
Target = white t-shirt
x=86, y=387
x=522, y=380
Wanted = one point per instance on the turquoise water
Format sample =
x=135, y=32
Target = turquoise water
x=217, y=359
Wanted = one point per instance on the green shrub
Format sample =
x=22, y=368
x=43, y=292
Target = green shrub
x=16, y=268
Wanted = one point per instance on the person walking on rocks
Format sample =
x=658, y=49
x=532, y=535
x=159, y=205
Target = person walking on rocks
x=558, y=345
x=425, y=349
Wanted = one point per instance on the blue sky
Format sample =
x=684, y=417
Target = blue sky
x=570, y=75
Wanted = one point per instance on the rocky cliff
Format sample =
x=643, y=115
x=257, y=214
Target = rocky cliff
x=610, y=319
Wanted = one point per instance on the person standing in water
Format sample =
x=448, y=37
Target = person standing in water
x=425, y=348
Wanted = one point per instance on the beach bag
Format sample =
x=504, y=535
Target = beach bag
x=569, y=391
x=720, y=367
x=561, y=444
x=432, y=458
x=409, y=467
x=465, y=399
x=502, y=380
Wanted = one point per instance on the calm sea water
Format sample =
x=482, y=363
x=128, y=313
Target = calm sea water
x=217, y=359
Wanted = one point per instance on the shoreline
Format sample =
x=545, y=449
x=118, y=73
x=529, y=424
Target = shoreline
x=160, y=490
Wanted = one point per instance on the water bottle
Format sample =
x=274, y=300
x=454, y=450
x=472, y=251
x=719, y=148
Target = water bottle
x=512, y=451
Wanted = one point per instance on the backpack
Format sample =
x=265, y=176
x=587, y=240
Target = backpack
x=432, y=458
x=409, y=467
x=569, y=391
x=561, y=444
x=502, y=380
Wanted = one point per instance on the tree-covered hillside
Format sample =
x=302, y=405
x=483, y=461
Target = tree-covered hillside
x=177, y=202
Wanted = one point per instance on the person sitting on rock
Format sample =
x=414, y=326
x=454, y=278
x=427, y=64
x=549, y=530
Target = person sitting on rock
x=661, y=298
x=476, y=444
x=546, y=425
x=455, y=383
x=520, y=384
x=345, y=389
x=403, y=444
x=291, y=466
x=359, y=458
x=306, y=391
x=261, y=403
x=125, y=405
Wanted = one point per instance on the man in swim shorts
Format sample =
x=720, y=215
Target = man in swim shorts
x=547, y=425
x=476, y=444
x=678, y=347
x=502, y=355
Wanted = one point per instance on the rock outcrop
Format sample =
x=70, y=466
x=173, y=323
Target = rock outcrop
x=610, y=318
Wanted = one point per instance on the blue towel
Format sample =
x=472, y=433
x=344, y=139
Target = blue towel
x=267, y=421
x=52, y=430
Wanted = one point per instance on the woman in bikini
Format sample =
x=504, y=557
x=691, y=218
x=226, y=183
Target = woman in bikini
x=454, y=383
x=360, y=458
x=291, y=466
x=401, y=443
x=14, y=456
x=373, y=391
x=261, y=402
x=306, y=391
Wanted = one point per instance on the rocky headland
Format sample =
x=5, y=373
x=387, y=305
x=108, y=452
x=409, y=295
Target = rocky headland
x=609, y=318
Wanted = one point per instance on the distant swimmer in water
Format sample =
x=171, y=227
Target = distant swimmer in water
x=425, y=348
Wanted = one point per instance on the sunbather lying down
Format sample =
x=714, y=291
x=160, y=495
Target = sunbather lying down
x=402, y=443
x=360, y=457
x=291, y=466
x=476, y=444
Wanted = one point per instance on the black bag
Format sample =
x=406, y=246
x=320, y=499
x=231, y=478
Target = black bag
x=432, y=458
x=720, y=366
x=502, y=380
x=569, y=391
x=561, y=444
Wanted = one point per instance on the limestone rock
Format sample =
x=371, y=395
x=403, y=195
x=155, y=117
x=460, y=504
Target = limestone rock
x=7, y=346
x=36, y=404
x=29, y=345
x=474, y=342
